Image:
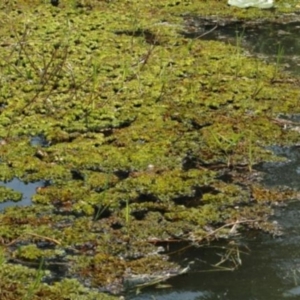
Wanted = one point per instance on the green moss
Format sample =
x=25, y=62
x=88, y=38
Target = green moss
x=31, y=252
x=16, y=283
x=7, y=194
x=141, y=126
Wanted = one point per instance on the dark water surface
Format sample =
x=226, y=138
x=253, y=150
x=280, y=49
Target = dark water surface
x=275, y=42
x=270, y=267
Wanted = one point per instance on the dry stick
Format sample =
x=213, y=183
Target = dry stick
x=207, y=32
x=46, y=67
x=7, y=59
x=45, y=79
x=36, y=235
x=73, y=91
x=12, y=242
x=233, y=224
x=30, y=263
x=93, y=95
x=32, y=64
x=223, y=259
x=228, y=225
x=21, y=42
x=45, y=238
x=143, y=60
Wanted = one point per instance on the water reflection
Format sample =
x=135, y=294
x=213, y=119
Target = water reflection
x=276, y=41
x=270, y=271
x=175, y=295
x=284, y=173
x=27, y=189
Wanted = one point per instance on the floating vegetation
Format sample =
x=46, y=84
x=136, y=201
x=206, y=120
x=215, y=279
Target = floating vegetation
x=143, y=135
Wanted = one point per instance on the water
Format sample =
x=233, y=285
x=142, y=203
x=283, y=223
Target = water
x=270, y=267
x=27, y=190
x=276, y=42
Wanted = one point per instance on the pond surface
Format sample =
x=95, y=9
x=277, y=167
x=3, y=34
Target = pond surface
x=270, y=265
x=277, y=42
x=27, y=190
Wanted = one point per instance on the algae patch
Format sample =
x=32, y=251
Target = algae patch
x=138, y=130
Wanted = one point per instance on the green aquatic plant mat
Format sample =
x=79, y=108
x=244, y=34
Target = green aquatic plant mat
x=147, y=137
